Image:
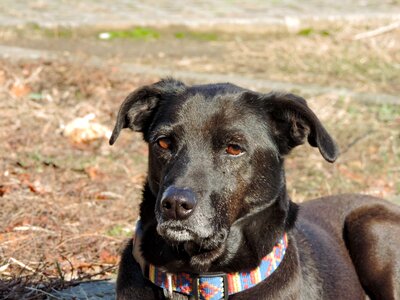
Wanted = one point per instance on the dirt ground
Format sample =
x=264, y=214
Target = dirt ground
x=324, y=53
x=69, y=201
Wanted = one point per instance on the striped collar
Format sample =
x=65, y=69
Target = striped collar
x=215, y=286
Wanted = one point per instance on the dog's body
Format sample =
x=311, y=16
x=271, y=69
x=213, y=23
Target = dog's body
x=216, y=201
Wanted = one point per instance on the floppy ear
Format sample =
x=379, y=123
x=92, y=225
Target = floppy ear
x=292, y=121
x=138, y=109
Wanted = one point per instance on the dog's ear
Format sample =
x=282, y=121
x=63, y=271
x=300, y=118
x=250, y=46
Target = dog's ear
x=138, y=109
x=292, y=122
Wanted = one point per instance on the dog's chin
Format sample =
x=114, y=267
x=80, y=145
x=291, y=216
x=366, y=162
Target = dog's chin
x=202, y=250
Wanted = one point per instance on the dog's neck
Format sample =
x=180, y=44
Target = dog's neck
x=244, y=235
x=244, y=249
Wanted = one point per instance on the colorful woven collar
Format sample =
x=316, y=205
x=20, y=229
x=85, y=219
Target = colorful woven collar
x=213, y=286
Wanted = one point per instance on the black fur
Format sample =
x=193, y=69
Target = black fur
x=242, y=206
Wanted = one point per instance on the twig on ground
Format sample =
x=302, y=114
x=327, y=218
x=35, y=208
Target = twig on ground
x=356, y=140
x=377, y=31
x=21, y=264
x=4, y=267
x=42, y=292
x=59, y=271
x=34, y=228
x=87, y=235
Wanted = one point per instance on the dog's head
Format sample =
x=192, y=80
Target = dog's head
x=215, y=155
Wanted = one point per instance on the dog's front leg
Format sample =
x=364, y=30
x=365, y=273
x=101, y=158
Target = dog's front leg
x=131, y=284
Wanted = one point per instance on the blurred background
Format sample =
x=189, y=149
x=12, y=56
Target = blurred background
x=68, y=200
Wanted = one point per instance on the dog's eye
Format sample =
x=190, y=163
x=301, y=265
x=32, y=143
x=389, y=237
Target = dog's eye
x=164, y=143
x=233, y=149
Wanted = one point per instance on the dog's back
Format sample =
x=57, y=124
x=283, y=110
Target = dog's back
x=363, y=229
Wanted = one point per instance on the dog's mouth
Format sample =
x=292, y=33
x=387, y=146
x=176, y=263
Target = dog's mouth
x=176, y=234
x=194, y=241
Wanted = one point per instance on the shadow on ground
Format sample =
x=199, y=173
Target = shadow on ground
x=104, y=290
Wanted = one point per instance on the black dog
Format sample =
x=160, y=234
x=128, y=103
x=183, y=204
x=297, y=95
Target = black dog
x=216, y=201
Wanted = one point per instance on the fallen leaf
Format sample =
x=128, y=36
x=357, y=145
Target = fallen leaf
x=20, y=90
x=94, y=173
x=85, y=130
x=4, y=189
x=107, y=257
x=107, y=196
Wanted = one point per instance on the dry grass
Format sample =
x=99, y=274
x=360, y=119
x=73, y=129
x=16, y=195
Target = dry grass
x=320, y=53
x=64, y=206
x=369, y=140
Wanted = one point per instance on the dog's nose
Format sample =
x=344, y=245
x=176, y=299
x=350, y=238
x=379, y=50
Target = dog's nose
x=177, y=204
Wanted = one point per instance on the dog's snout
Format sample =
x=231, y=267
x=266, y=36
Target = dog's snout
x=177, y=204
